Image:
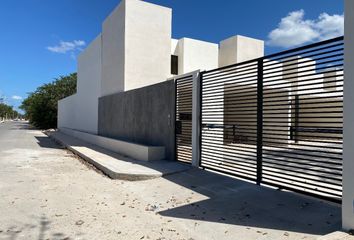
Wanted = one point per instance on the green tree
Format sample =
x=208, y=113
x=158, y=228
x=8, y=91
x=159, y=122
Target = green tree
x=41, y=106
x=7, y=111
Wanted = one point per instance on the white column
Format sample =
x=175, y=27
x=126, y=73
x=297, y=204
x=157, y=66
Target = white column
x=348, y=129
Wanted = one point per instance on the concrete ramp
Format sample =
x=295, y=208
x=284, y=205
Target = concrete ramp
x=114, y=165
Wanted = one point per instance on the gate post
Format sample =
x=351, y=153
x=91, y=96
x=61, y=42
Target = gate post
x=259, y=119
x=348, y=119
x=196, y=106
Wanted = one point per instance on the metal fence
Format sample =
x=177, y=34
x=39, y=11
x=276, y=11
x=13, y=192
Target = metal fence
x=278, y=119
x=183, y=124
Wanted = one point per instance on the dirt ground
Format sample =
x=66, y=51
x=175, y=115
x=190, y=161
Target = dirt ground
x=48, y=193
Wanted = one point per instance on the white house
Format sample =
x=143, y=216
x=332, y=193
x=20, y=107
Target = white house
x=135, y=49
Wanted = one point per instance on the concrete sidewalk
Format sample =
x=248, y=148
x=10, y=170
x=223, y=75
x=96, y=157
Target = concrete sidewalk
x=114, y=165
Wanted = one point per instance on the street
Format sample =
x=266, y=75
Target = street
x=48, y=193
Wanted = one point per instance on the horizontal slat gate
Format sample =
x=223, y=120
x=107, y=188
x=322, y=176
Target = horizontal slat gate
x=184, y=88
x=278, y=119
x=229, y=120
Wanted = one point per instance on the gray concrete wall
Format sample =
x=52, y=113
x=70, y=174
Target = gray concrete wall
x=348, y=128
x=145, y=115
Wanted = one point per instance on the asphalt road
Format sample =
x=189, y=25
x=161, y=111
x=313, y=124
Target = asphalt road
x=12, y=135
x=48, y=193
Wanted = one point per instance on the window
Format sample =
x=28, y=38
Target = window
x=174, y=64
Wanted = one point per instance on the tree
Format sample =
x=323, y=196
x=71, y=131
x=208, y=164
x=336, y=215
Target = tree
x=41, y=106
x=7, y=111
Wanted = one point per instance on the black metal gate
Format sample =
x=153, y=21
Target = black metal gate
x=278, y=119
x=184, y=92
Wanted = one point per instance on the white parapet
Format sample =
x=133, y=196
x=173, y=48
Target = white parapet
x=113, y=51
x=238, y=49
x=195, y=54
x=67, y=112
x=132, y=150
x=136, y=42
x=89, y=87
x=147, y=44
x=348, y=128
x=80, y=111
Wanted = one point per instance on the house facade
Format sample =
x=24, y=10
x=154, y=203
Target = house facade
x=135, y=50
x=135, y=54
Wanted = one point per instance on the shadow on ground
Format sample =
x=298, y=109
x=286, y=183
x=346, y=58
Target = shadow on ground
x=235, y=202
x=39, y=229
x=232, y=201
x=46, y=142
x=23, y=126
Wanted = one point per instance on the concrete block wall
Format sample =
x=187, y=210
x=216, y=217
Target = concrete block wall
x=144, y=116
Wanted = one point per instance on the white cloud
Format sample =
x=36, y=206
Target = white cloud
x=330, y=26
x=65, y=47
x=294, y=29
x=15, y=97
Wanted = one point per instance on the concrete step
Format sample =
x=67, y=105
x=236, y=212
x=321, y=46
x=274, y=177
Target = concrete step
x=133, y=150
x=115, y=165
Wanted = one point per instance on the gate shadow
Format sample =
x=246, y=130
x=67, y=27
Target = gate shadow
x=236, y=202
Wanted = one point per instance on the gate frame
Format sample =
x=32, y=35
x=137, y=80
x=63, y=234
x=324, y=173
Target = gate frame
x=196, y=108
x=259, y=151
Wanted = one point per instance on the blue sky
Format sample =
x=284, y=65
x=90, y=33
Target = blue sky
x=40, y=39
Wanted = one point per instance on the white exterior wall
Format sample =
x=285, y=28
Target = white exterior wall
x=113, y=51
x=147, y=44
x=195, y=54
x=133, y=51
x=238, y=49
x=89, y=87
x=136, y=46
x=67, y=112
x=174, y=44
x=348, y=129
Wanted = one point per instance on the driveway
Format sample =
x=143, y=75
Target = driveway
x=48, y=193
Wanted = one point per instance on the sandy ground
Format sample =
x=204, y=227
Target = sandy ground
x=48, y=193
